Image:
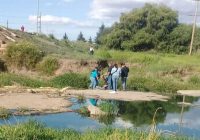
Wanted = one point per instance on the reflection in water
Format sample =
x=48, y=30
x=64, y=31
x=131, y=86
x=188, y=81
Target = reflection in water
x=130, y=115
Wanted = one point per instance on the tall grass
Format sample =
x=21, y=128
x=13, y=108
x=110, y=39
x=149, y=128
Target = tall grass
x=8, y=79
x=36, y=131
x=48, y=65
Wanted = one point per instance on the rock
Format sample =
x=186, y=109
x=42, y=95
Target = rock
x=95, y=110
x=64, y=89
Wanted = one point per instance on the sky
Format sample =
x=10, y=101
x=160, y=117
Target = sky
x=73, y=16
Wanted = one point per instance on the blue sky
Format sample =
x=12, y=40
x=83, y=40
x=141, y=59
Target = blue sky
x=73, y=16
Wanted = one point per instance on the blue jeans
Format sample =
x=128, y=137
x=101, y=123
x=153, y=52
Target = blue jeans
x=109, y=82
x=93, y=83
x=114, y=81
x=124, y=79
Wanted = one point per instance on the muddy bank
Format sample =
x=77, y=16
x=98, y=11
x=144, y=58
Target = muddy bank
x=121, y=95
x=33, y=104
x=52, y=100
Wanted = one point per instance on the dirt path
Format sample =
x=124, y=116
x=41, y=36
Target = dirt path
x=121, y=95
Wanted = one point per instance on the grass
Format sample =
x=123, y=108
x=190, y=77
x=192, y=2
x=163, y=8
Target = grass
x=37, y=131
x=4, y=113
x=69, y=79
x=158, y=72
x=149, y=71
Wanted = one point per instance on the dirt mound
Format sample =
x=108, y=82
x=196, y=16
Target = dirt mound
x=6, y=36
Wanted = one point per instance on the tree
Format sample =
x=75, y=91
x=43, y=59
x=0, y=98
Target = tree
x=99, y=33
x=81, y=37
x=65, y=37
x=51, y=36
x=141, y=29
x=90, y=40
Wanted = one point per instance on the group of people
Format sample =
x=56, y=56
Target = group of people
x=111, y=77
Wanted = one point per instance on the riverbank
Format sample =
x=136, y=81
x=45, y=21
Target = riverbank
x=34, y=130
x=23, y=102
x=27, y=101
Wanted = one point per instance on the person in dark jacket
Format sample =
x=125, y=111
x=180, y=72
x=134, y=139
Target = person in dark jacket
x=124, y=75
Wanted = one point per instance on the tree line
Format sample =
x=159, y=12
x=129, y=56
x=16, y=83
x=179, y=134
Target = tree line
x=153, y=27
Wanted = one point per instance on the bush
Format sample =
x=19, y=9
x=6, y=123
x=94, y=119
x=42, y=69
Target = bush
x=48, y=65
x=4, y=113
x=70, y=79
x=23, y=54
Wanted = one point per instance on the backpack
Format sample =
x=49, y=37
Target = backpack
x=124, y=71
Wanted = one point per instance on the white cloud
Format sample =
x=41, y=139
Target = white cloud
x=111, y=9
x=49, y=19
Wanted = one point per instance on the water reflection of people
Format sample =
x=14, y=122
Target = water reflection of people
x=93, y=102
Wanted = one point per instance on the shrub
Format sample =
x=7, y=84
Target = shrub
x=23, y=54
x=70, y=79
x=4, y=113
x=48, y=65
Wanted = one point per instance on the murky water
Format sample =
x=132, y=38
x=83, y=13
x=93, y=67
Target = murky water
x=172, y=118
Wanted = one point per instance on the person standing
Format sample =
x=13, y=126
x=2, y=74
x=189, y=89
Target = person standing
x=124, y=75
x=93, y=79
x=115, y=72
x=109, y=78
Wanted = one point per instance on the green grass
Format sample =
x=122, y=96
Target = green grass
x=48, y=65
x=157, y=72
x=68, y=79
x=34, y=130
x=8, y=79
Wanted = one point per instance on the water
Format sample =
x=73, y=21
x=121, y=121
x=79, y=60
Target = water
x=131, y=115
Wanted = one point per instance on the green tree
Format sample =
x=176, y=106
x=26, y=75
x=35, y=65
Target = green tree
x=151, y=27
x=65, y=37
x=99, y=33
x=90, y=40
x=51, y=36
x=81, y=37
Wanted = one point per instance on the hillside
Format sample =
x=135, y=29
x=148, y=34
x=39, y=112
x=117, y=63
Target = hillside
x=53, y=46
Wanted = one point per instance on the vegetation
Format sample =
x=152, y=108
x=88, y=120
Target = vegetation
x=48, y=65
x=151, y=27
x=70, y=79
x=8, y=79
x=109, y=107
x=4, y=113
x=23, y=54
x=81, y=37
x=35, y=130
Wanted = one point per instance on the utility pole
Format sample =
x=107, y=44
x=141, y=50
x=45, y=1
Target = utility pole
x=39, y=19
x=194, y=26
